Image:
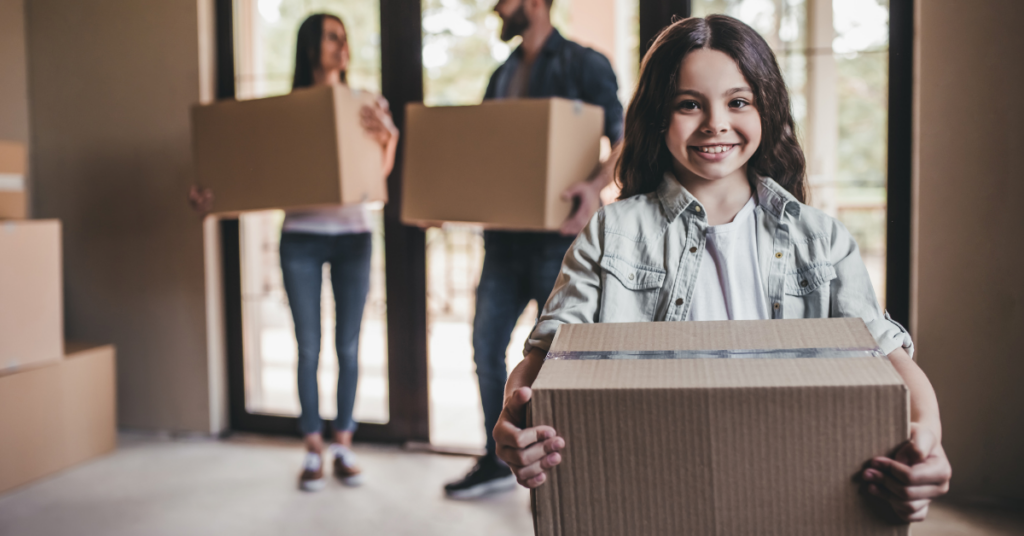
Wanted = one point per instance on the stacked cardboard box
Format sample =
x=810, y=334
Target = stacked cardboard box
x=503, y=164
x=747, y=427
x=55, y=416
x=301, y=150
x=56, y=401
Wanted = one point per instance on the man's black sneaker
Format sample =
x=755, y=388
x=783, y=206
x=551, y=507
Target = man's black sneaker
x=489, y=475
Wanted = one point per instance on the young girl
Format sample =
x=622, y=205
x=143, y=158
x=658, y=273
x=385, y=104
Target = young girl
x=711, y=226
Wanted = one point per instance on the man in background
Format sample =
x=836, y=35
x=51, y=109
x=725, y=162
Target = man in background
x=522, y=266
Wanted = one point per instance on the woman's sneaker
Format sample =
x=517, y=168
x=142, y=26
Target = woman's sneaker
x=489, y=475
x=312, y=477
x=345, y=466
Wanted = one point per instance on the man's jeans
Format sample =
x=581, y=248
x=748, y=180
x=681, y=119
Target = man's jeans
x=302, y=259
x=518, y=267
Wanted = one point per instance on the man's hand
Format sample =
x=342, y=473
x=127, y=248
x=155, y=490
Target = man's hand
x=916, y=474
x=588, y=200
x=528, y=452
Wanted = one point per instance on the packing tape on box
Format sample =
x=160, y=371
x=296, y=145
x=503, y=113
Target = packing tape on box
x=788, y=353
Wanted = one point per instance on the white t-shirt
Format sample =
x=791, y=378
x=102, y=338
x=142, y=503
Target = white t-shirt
x=729, y=278
x=348, y=219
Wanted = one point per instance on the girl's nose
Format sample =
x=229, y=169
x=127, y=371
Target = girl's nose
x=716, y=123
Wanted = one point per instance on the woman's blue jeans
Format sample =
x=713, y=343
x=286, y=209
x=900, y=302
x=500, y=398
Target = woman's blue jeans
x=302, y=259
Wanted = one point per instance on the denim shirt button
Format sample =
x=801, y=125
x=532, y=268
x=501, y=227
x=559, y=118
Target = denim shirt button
x=679, y=301
x=778, y=255
x=693, y=249
x=631, y=277
x=776, y=306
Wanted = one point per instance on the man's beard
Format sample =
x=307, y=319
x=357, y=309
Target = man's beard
x=515, y=25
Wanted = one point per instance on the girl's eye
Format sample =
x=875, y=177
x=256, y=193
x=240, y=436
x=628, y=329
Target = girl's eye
x=738, y=103
x=688, y=105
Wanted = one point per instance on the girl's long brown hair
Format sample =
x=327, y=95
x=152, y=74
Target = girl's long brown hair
x=645, y=158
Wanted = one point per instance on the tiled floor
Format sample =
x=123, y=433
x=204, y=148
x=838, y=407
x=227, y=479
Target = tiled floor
x=246, y=486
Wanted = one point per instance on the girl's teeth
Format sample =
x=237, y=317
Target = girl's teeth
x=715, y=149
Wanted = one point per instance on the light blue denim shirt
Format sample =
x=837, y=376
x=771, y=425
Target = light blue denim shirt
x=637, y=261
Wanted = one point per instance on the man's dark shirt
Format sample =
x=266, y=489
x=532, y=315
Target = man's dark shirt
x=568, y=70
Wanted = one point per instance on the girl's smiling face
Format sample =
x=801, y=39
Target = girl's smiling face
x=715, y=127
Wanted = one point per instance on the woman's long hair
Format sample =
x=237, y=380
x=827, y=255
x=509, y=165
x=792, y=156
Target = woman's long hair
x=307, y=49
x=646, y=158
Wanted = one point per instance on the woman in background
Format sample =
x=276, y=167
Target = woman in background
x=340, y=236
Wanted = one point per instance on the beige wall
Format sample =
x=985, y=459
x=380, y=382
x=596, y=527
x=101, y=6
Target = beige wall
x=970, y=235
x=111, y=82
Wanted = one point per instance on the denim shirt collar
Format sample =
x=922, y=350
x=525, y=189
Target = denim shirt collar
x=774, y=199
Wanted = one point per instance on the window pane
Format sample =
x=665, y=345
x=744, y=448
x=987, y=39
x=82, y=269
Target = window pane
x=265, y=32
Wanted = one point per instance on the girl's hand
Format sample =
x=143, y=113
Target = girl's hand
x=200, y=199
x=376, y=120
x=530, y=452
x=916, y=474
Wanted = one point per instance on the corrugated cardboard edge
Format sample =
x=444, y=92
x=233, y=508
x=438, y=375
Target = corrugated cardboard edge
x=560, y=113
x=347, y=103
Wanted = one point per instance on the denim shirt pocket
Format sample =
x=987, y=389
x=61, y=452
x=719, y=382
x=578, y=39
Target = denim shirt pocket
x=629, y=292
x=808, y=291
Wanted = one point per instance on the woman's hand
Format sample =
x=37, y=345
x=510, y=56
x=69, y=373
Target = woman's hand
x=528, y=452
x=376, y=120
x=200, y=199
x=917, y=473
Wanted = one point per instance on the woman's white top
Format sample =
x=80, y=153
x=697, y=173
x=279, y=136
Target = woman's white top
x=728, y=283
x=348, y=219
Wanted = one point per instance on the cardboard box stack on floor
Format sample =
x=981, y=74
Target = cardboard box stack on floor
x=301, y=150
x=502, y=164
x=56, y=401
x=747, y=427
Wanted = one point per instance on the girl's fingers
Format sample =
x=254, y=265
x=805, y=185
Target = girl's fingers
x=535, y=473
x=935, y=471
x=909, y=493
x=908, y=510
x=535, y=453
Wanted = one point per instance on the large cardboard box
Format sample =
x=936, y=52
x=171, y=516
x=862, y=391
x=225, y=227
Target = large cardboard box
x=55, y=416
x=13, y=163
x=31, y=294
x=300, y=150
x=503, y=164
x=666, y=437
